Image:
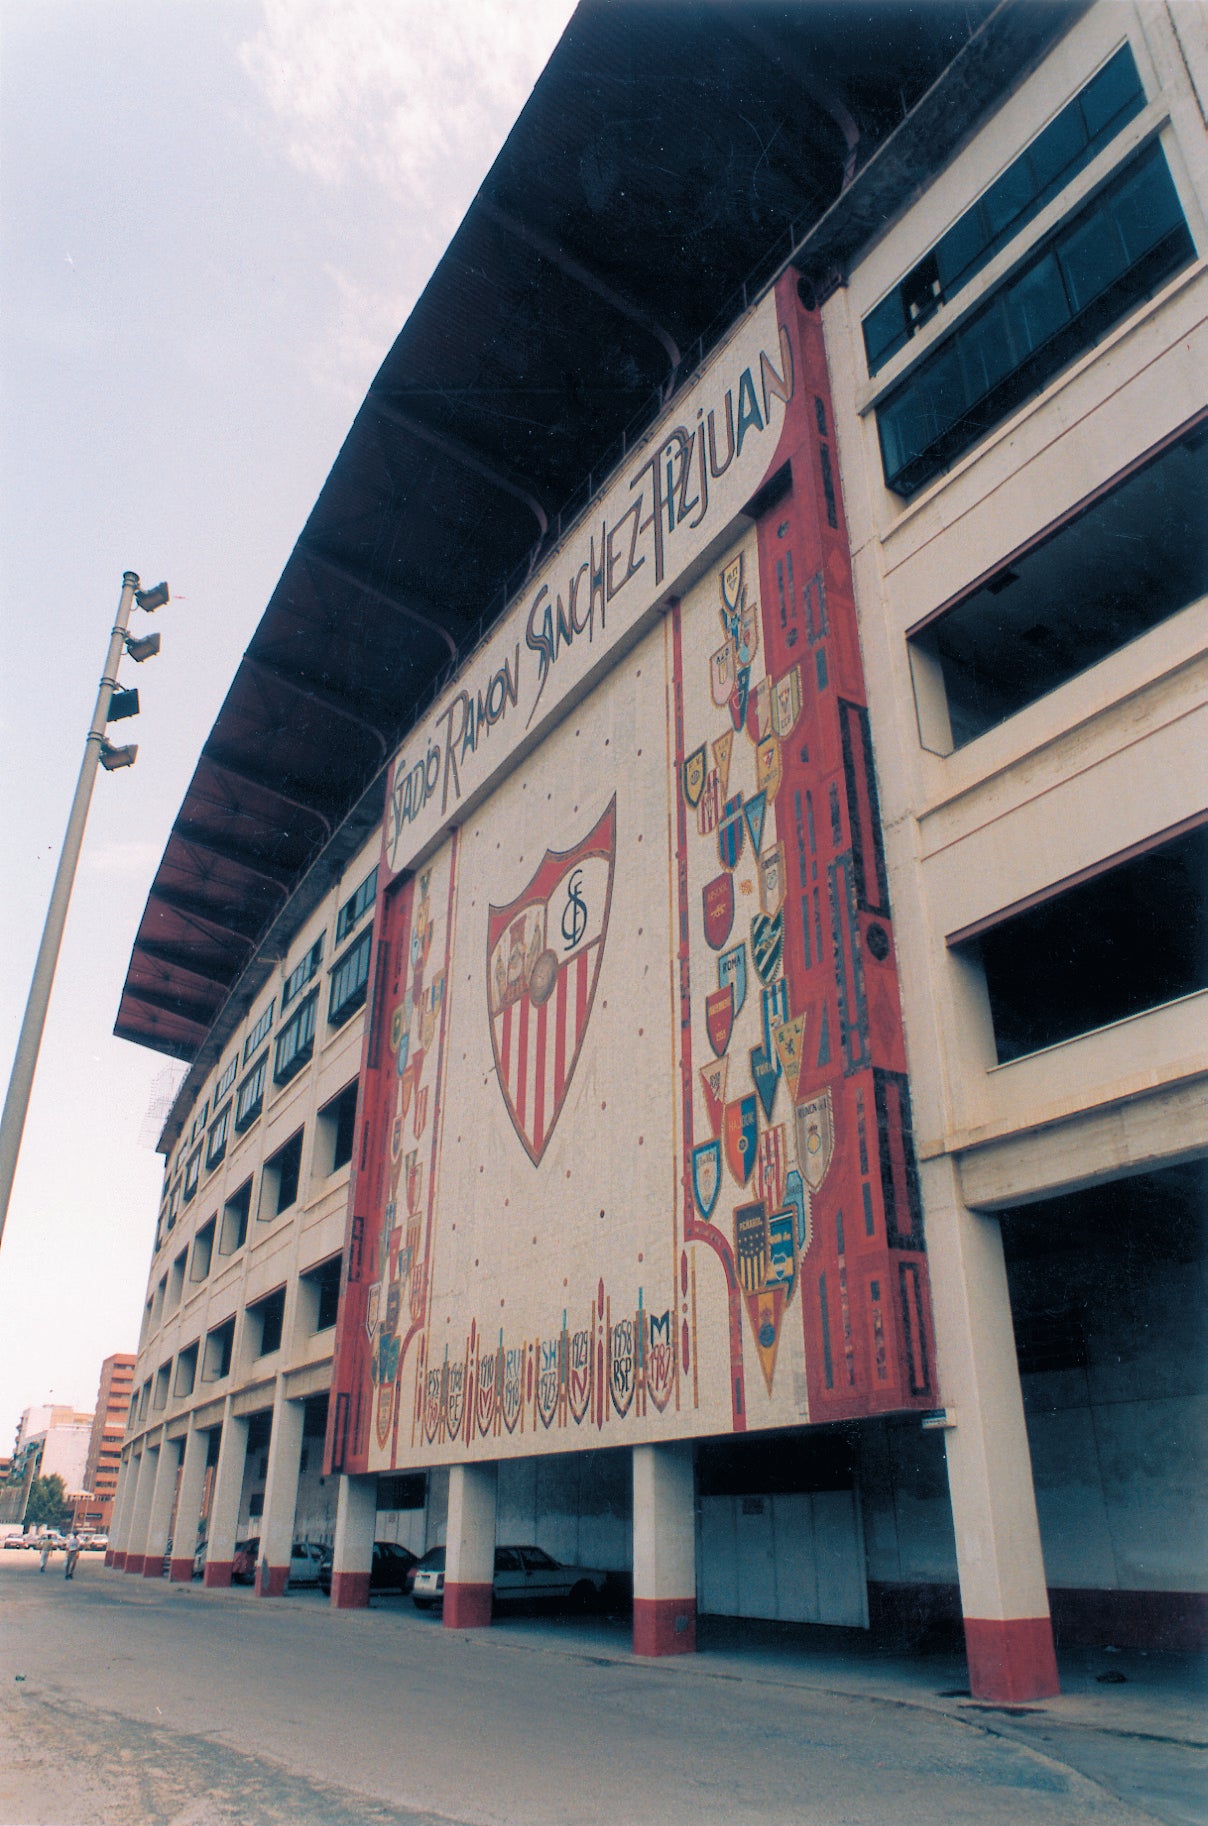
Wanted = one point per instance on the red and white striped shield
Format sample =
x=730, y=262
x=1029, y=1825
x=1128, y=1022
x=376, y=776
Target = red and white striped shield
x=543, y=962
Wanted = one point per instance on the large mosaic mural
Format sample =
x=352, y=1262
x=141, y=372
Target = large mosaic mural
x=634, y=1156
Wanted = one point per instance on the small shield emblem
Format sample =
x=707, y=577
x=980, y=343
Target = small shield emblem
x=782, y=1252
x=421, y=1111
x=815, y=1138
x=770, y=1166
x=709, y=809
x=730, y=584
x=738, y=696
x=706, y=1176
x=751, y=1245
x=694, y=776
x=732, y=968
x=767, y=944
x=723, y=748
x=789, y=1041
x=717, y=901
x=385, y=1413
x=765, y=1073
x=713, y=1083
x=786, y=703
x=731, y=833
x=796, y=1201
x=721, y=675
x=756, y=810
x=768, y=770
x=740, y=1133
x=719, y=1017
x=771, y=880
x=759, y=711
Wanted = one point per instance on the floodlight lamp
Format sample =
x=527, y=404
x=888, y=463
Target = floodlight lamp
x=122, y=704
x=139, y=650
x=152, y=599
x=113, y=758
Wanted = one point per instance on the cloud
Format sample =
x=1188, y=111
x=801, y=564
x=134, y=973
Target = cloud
x=409, y=92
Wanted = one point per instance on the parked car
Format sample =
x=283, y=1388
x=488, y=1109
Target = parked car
x=521, y=1574
x=392, y=1570
x=14, y=1540
x=243, y=1566
x=98, y=1544
x=305, y=1562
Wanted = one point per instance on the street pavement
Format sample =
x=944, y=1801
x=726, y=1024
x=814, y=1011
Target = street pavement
x=130, y=1702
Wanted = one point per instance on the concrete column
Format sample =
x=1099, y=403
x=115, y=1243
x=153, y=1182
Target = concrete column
x=148, y=1465
x=115, y=1555
x=280, y=1497
x=188, y=1505
x=470, y=1546
x=664, y=1549
x=224, y=1504
x=1008, y=1632
x=159, y=1519
x=352, y=1551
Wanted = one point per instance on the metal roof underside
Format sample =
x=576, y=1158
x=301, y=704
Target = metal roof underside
x=669, y=154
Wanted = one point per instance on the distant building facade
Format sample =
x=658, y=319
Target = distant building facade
x=728, y=1105
x=105, y=1441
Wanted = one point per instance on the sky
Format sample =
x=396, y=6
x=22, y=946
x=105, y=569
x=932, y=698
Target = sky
x=215, y=217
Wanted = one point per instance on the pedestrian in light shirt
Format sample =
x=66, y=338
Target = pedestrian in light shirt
x=73, y=1554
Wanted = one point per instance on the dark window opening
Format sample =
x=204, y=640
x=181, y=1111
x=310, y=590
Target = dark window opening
x=1128, y=940
x=408, y=1491
x=216, y=1143
x=279, y=1180
x=269, y=1313
x=296, y=1041
x=350, y=979
x=325, y=1284
x=235, y=1214
x=203, y=1251
x=219, y=1345
x=355, y=908
x=192, y=1175
x=301, y=974
x=250, y=1099
x=186, y=1371
x=1072, y=290
x=337, y=1122
x=1131, y=560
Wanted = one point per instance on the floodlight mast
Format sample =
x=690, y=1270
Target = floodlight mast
x=97, y=752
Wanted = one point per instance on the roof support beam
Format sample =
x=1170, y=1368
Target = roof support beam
x=197, y=1014
x=266, y=784
x=203, y=914
x=461, y=453
x=326, y=700
x=345, y=574
x=582, y=275
x=812, y=82
x=238, y=858
x=179, y=957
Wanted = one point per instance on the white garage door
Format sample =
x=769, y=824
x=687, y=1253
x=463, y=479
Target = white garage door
x=796, y=1559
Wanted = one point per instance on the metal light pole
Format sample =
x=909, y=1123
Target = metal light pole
x=96, y=752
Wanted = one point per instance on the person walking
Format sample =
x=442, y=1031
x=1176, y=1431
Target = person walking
x=73, y=1554
x=47, y=1549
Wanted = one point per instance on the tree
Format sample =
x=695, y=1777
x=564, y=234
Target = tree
x=47, y=1503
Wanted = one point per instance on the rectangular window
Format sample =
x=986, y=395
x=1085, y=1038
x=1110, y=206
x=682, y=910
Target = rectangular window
x=279, y=1180
x=219, y=1345
x=173, y=1205
x=1088, y=275
x=302, y=973
x=350, y=979
x=249, y=1099
x=1137, y=555
x=269, y=1316
x=227, y=1079
x=1126, y=940
x=355, y=909
x=186, y=1372
x=235, y=1214
x=203, y=1251
x=216, y=1140
x=296, y=1041
x=258, y=1033
x=199, y=1121
x=1065, y=147
x=176, y=1281
x=337, y=1123
x=192, y=1175
x=163, y=1377
x=321, y=1286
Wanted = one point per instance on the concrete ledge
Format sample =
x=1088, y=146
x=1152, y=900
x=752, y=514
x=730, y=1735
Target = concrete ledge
x=664, y=1626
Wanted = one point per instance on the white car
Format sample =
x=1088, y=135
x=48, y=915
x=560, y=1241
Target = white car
x=521, y=1573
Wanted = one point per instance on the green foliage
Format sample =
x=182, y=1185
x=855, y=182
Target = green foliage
x=47, y=1503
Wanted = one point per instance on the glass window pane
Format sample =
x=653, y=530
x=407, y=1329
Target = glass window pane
x=1008, y=197
x=1115, y=91
x=1058, y=146
x=884, y=331
x=960, y=247
x=1146, y=208
x=1091, y=257
x=1038, y=306
x=986, y=354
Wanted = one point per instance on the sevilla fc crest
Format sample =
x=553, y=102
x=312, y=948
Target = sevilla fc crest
x=543, y=963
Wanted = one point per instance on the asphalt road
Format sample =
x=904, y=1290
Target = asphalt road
x=125, y=1702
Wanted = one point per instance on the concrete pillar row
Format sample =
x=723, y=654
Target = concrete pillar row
x=115, y=1553
x=1008, y=1632
x=159, y=1516
x=141, y=1512
x=470, y=1546
x=224, y=1504
x=352, y=1550
x=280, y=1497
x=664, y=1549
x=188, y=1505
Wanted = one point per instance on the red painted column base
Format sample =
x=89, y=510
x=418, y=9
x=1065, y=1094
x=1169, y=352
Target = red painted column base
x=664, y=1626
x=153, y=1566
x=134, y=1563
x=271, y=1581
x=349, y=1590
x=119, y=1559
x=467, y=1606
x=180, y=1571
x=218, y=1573
x=1011, y=1659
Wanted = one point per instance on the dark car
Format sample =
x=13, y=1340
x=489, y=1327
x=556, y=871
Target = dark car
x=243, y=1566
x=393, y=1568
